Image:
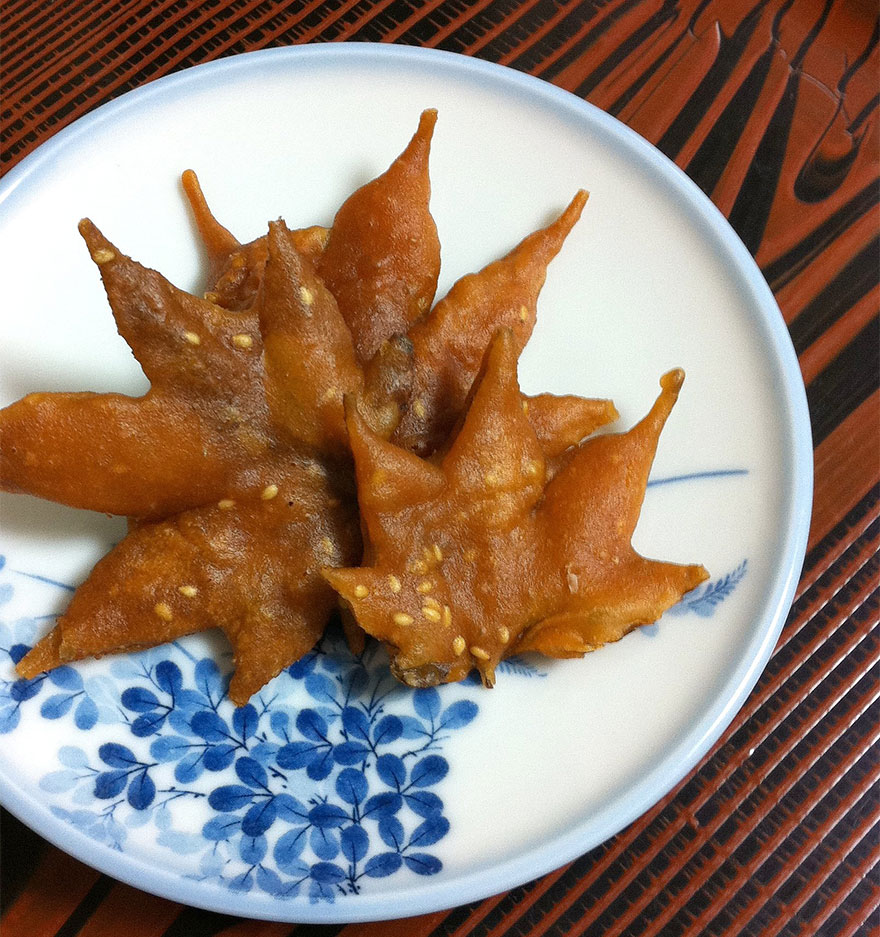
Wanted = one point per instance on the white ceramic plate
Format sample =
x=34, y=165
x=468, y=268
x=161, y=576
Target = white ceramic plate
x=134, y=764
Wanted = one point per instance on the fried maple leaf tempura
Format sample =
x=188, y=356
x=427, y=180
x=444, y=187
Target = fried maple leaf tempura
x=237, y=468
x=479, y=557
x=381, y=260
x=234, y=530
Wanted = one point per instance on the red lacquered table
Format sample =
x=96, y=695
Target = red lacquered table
x=771, y=107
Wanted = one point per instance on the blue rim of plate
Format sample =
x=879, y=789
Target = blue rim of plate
x=692, y=746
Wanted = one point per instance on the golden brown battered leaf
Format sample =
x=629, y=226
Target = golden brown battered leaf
x=450, y=343
x=237, y=521
x=480, y=557
x=561, y=422
x=381, y=262
x=382, y=258
x=247, y=564
x=236, y=269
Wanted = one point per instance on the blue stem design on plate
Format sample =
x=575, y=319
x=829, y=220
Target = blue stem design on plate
x=696, y=476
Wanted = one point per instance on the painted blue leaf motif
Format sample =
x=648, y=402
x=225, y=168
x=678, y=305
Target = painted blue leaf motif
x=327, y=816
x=230, y=797
x=6, y=593
x=162, y=817
x=324, y=843
x=209, y=726
x=270, y=882
x=245, y=721
x=148, y=723
x=704, y=600
x=429, y=770
x=189, y=700
x=303, y=667
x=252, y=849
x=320, y=688
x=181, y=843
x=385, y=863
x=72, y=757
x=127, y=667
x=351, y=785
x=189, y=768
x=459, y=714
x=299, y=754
x=355, y=843
x=208, y=679
x=312, y=725
x=264, y=752
x=243, y=883
x=222, y=827
x=259, y=817
x=381, y=805
x=10, y=716
x=423, y=864
x=66, y=677
x=22, y=690
x=432, y=830
x=291, y=810
x=169, y=748
x=280, y=723
x=117, y=756
x=326, y=873
x=17, y=651
x=85, y=715
x=322, y=891
x=219, y=757
x=57, y=782
x=179, y=720
x=211, y=864
x=56, y=706
x=251, y=772
x=391, y=831
x=168, y=677
x=391, y=770
x=321, y=767
x=355, y=722
x=389, y=729
x=424, y=803
x=141, y=791
x=519, y=667
x=288, y=849
x=104, y=693
x=110, y=784
x=426, y=703
x=350, y=753
x=413, y=728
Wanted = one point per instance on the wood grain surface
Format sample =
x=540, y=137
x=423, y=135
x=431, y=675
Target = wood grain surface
x=771, y=107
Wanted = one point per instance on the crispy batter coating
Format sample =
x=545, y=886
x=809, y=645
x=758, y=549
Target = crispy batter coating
x=235, y=468
x=480, y=557
x=236, y=269
x=381, y=261
x=246, y=564
x=382, y=258
x=249, y=494
x=449, y=344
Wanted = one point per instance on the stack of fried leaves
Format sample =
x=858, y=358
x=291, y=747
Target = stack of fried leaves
x=316, y=428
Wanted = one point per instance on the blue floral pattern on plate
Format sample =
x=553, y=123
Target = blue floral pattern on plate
x=315, y=800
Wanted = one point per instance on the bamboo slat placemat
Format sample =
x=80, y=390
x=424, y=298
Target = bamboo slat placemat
x=771, y=107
